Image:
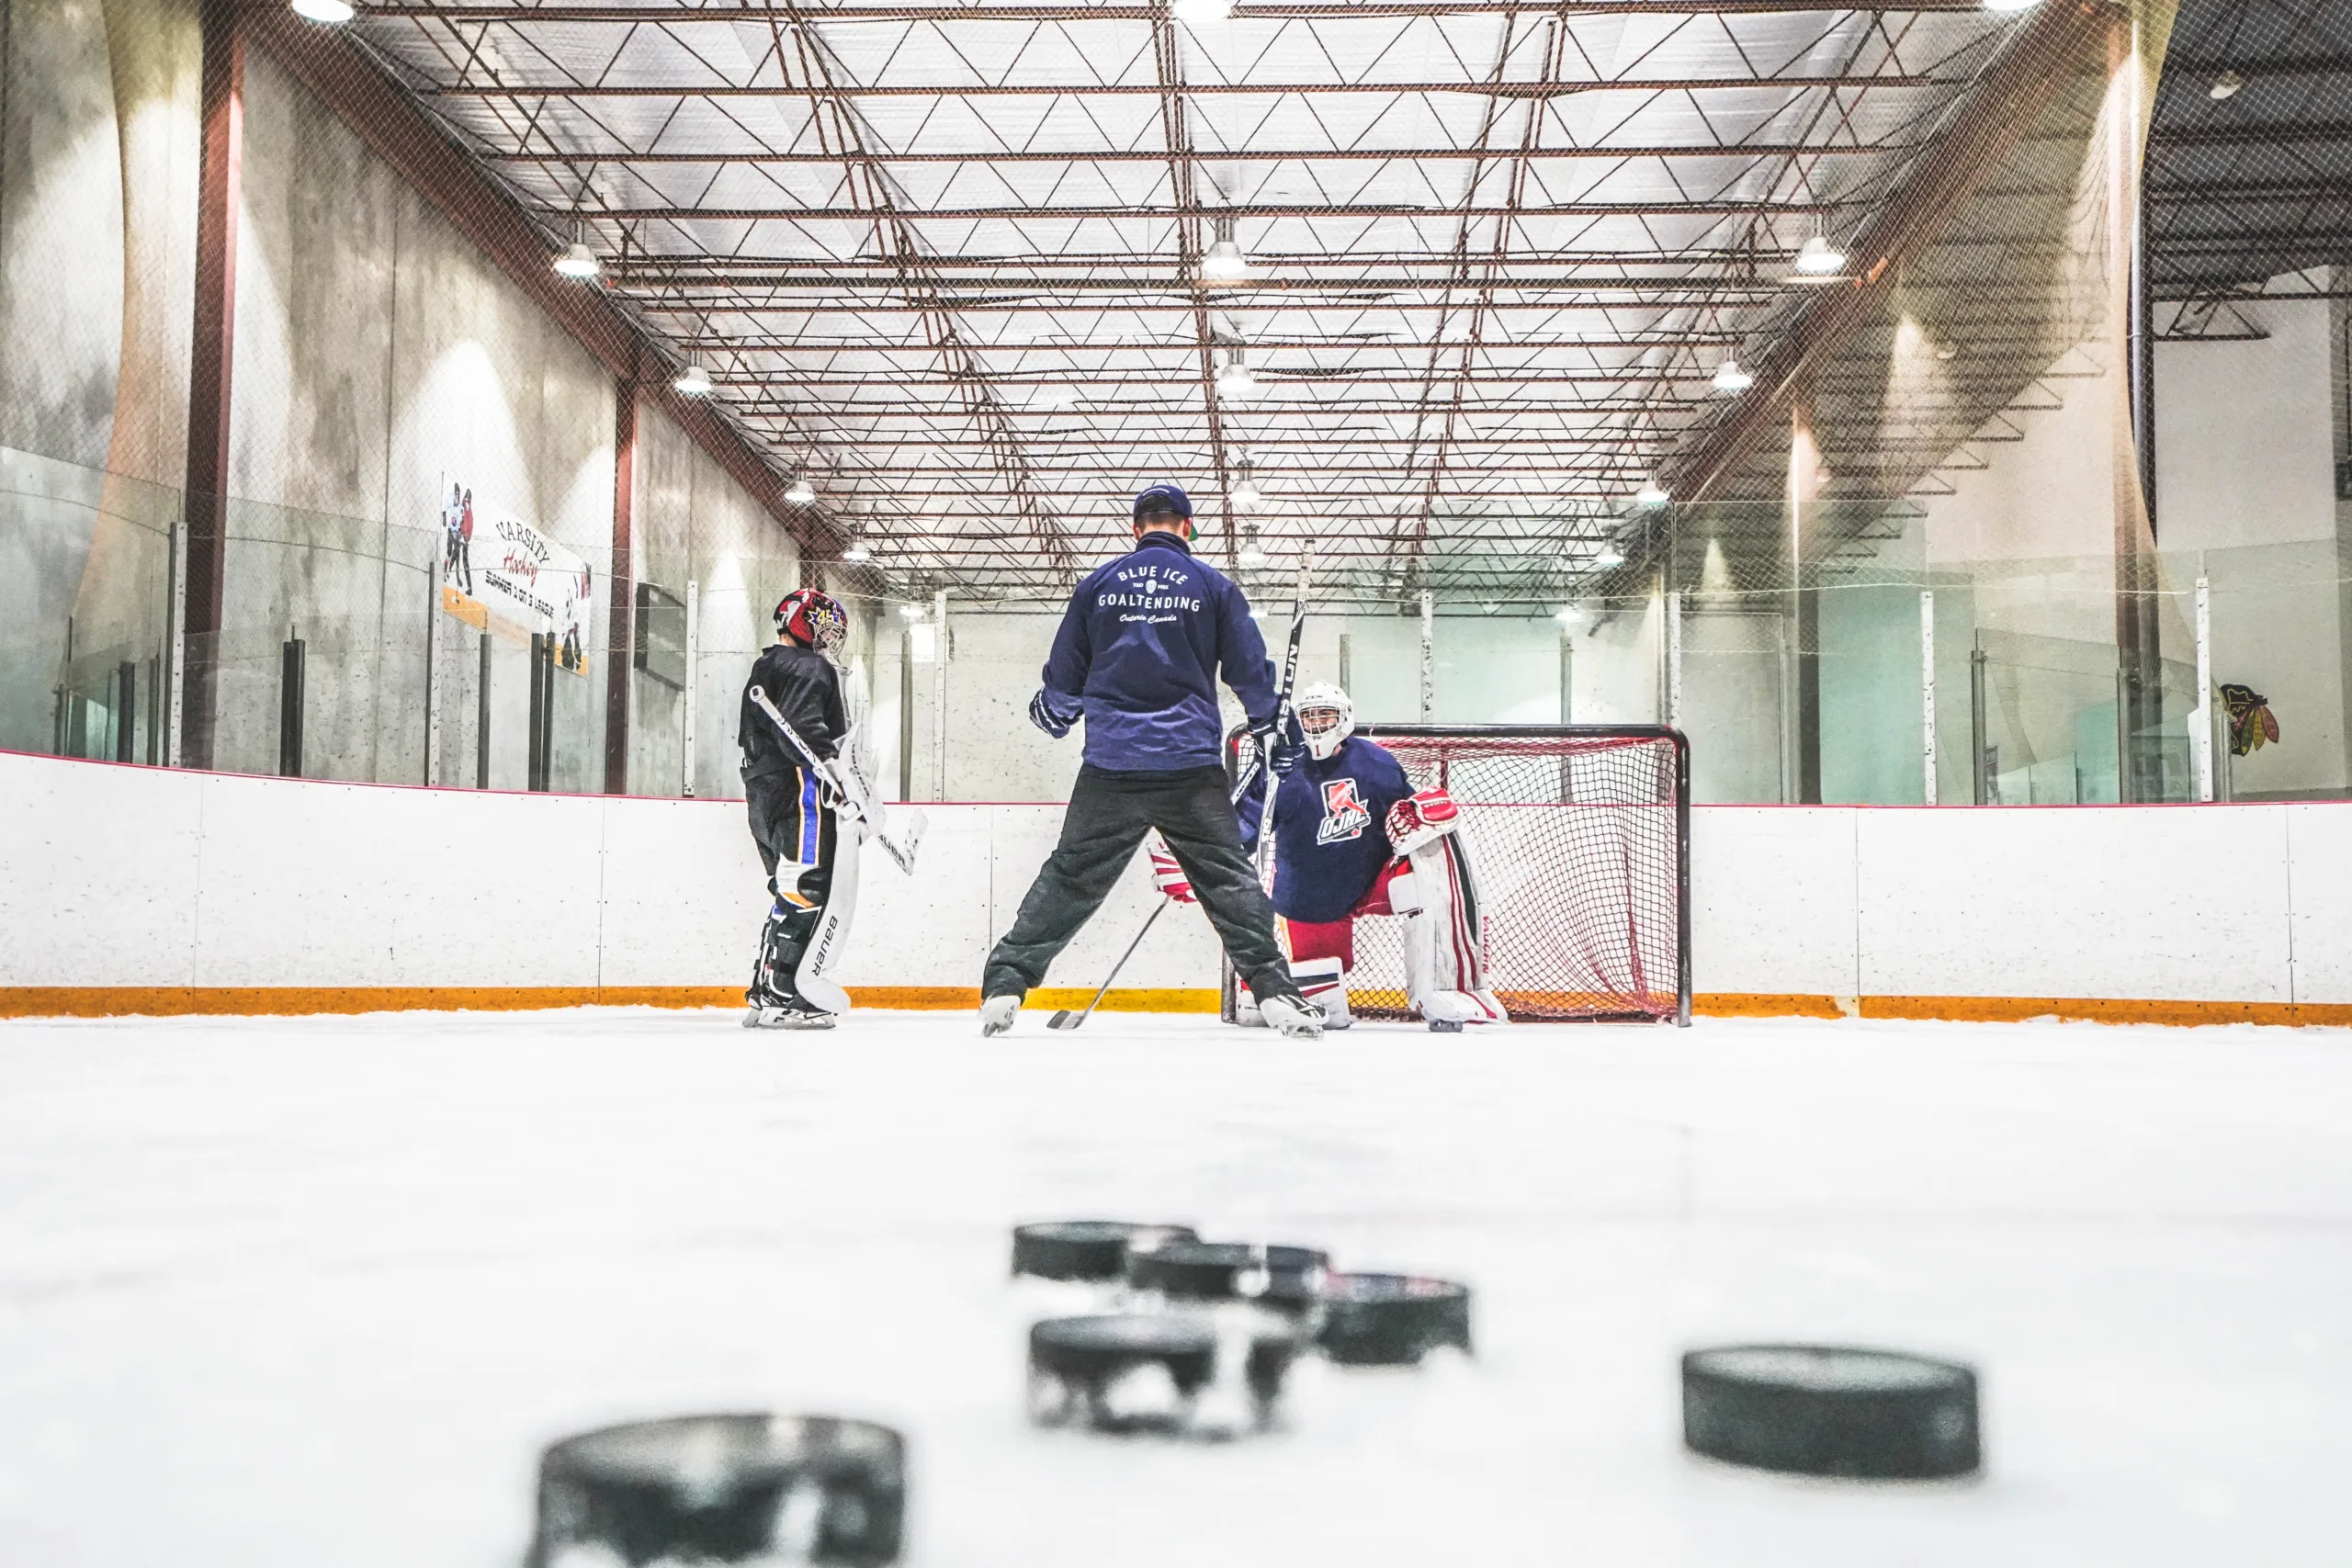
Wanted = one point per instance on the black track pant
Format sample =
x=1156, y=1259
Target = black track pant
x=1109, y=815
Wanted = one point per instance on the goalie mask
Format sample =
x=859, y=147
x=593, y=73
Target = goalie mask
x=812, y=618
x=1326, y=717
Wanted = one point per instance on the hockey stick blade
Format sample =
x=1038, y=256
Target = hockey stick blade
x=1071, y=1018
x=902, y=851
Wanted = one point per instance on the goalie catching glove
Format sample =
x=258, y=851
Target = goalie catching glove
x=1168, y=876
x=1421, y=819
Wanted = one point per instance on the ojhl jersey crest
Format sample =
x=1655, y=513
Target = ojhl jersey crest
x=1344, y=816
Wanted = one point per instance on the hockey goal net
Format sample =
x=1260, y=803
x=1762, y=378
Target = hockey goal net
x=1579, y=842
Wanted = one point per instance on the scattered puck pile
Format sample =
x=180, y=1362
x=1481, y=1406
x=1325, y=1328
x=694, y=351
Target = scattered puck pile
x=1196, y=1337
x=1193, y=1338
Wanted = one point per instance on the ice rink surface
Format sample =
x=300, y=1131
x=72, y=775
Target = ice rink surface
x=289, y=1294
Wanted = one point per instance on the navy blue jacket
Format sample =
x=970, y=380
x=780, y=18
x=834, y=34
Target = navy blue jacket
x=1330, y=828
x=1138, y=653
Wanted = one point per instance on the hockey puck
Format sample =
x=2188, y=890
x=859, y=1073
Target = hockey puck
x=1145, y=1373
x=1286, y=1277
x=1391, y=1320
x=1445, y=1026
x=725, y=1489
x=1830, y=1410
x=1086, y=1250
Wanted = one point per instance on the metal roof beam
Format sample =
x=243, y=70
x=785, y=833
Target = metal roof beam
x=624, y=157
x=510, y=89
x=1090, y=11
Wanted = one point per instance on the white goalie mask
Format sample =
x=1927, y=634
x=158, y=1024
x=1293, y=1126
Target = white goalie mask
x=1326, y=717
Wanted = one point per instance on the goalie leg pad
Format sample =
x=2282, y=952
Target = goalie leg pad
x=814, y=979
x=1444, y=948
x=1324, y=982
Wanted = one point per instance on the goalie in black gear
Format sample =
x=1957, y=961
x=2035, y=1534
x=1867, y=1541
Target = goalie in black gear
x=791, y=801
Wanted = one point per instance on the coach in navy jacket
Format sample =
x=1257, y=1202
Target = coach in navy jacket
x=1139, y=650
x=1138, y=658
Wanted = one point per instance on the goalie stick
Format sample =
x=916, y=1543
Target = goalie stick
x=903, y=855
x=1069, y=1018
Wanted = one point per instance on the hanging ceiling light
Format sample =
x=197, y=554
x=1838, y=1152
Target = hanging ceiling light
x=1245, y=488
x=1224, y=260
x=856, y=551
x=1651, y=494
x=332, y=13
x=800, y=492
x=1201, y=13
x=1568, y=615
x=1609, y=556
x=578, y=261
x=1252, y=554
x=1235, y=380
x=1818, y=258
x=694, y=381
x=2226, y=85
x=911, y=612
x=1730, y=377
x=2011, y=4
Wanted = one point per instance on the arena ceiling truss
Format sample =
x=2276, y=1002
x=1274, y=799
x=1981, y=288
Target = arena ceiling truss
x=955, y=263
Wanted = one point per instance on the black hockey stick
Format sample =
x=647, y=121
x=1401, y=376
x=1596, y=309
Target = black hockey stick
x=1068, y=1019
x=1281, y=699
x=1281, y=716
x=904, y=854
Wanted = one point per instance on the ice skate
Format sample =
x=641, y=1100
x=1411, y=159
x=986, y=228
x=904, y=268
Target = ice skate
x=1292, y=1019
x=997, y=1014
x=791, y=1014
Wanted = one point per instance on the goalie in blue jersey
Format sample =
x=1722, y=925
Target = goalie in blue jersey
x=1353, y=837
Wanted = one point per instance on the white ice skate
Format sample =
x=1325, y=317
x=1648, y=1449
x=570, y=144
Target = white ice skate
x=1292, y=1019
x=786, y=1015
x=997, y=1014
x=1449, y=1011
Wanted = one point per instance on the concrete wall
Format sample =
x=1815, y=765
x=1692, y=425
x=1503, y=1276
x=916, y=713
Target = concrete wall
x=98, y=149
x=148, y=878
x=695, y=524
x=377, y=353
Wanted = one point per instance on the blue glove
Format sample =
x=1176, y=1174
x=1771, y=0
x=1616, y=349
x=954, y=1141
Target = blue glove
x=1047, y=712
x=1281, y=755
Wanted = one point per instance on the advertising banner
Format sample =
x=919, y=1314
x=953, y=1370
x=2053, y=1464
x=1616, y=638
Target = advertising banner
x=503, y=575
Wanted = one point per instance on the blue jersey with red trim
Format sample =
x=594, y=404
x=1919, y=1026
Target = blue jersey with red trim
x=1331, y=829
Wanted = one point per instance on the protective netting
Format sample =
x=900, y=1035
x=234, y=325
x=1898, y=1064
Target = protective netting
x=1577, y=838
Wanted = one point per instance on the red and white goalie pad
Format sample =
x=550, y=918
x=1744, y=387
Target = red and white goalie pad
x=1445, y=958
x=1423, y=819
x=1167, y=875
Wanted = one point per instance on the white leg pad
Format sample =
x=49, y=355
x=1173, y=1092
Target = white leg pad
x=826, y=944
x=1323, y=982
x=1445, y=962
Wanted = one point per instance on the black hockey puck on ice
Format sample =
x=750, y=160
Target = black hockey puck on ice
x=1445, y=1026
x=1084, y=1363
x=1086, y=1250
x=725, y=1489
x=1287, y=1277
x=1829, y=1410
x=1391, y=1320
